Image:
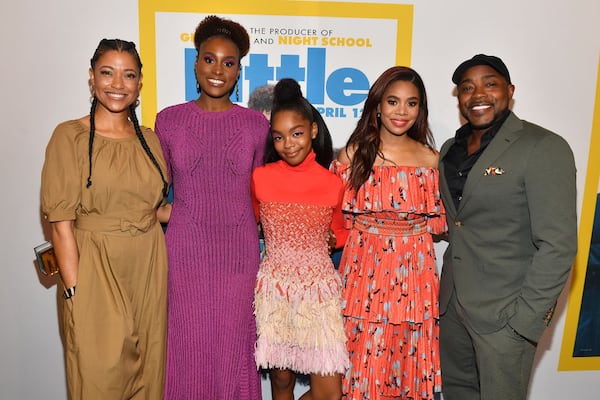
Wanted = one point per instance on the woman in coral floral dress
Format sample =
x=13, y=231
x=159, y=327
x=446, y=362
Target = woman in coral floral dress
x=388, y=266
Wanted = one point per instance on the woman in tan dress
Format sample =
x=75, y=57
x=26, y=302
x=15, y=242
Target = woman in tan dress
x=103, y=191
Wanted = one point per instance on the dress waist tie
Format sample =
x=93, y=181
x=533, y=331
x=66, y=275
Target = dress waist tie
x=133, y=222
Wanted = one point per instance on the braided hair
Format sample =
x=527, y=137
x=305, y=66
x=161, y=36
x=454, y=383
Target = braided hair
x=128, y=47
x=91, y=140
x=287, y=96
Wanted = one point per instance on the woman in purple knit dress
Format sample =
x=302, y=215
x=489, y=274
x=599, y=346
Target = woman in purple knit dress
x=211, y=147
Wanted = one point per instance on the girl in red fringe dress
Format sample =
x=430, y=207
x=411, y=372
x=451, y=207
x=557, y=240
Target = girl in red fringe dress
x=298, y=292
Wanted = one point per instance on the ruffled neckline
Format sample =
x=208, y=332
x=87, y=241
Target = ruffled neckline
x=337, y=164
x=404, y=189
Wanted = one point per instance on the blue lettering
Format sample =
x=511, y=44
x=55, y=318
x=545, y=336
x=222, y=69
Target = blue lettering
x=191, y=92
x=347, y=80
x=290, y=68
x=258, y=73
x=315, y=81
x=344, y=86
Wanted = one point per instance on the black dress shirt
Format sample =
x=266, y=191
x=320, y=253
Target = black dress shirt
x=458, y=163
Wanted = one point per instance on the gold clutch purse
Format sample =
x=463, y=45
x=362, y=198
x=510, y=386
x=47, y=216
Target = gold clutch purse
x=46, y=259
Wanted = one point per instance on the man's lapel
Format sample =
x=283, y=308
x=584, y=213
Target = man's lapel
x=508, y=133
x=444, y=189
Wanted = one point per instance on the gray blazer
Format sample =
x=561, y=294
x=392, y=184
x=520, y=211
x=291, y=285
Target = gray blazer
x=513, y=239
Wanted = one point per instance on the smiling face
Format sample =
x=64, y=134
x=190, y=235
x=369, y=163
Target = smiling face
x=116, y=80
x=292, y=136
x=483, y=96
x=217, y=69
x=399, y=108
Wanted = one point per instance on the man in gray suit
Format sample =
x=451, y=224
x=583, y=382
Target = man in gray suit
x=510, y=195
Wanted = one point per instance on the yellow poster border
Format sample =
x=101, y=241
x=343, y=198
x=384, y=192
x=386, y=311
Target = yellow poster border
x=148, y=8
x=586, y=221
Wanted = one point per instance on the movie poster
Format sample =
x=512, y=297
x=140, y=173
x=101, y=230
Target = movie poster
x=334, y=50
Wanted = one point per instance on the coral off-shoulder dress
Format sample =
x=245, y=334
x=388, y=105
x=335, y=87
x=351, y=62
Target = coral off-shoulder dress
x=390, y=295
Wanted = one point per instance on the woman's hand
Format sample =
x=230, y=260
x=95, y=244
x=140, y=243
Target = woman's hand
x=163, y=213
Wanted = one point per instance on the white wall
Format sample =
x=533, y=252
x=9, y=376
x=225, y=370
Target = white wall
x=551, y=49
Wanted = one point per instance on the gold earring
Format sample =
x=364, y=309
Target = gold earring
x=92, y=94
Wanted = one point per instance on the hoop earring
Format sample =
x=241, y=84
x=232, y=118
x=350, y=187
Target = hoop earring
x=237, y=91
x=197, y=87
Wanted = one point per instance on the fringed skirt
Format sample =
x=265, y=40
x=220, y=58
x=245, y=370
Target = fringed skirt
x=298, y=318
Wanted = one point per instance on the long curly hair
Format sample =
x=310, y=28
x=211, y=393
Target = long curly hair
x=365, y=140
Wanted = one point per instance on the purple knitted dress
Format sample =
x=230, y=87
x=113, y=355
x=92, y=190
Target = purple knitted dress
x=213, y=252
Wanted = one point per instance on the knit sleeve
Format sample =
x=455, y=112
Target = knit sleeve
x=342, y=171
x=262, y=137
x=159, y=130
x=255, y=202
x=339, y=224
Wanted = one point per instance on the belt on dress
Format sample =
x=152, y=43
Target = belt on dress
x=133, y=222
x=386, y=226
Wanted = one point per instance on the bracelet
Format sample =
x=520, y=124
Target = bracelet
x=68, y=293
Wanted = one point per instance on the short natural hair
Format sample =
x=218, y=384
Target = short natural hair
x=216, y=26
